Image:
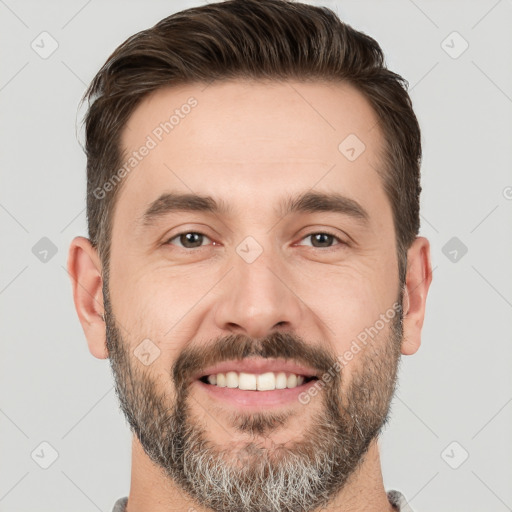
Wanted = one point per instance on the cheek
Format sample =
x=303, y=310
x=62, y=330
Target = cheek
x=349, y=297
x=163, y=307
x=153, y=300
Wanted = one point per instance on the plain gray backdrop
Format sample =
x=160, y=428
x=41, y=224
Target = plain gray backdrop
x=448, y=445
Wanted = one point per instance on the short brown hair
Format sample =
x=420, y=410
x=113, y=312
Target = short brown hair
x=250, y=39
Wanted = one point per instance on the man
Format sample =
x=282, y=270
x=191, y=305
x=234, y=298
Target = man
x=253, y=270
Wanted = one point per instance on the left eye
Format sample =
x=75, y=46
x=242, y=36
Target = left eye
x=189, y=240
x=322, y=240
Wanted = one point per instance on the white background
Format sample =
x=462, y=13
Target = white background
x=457, y=388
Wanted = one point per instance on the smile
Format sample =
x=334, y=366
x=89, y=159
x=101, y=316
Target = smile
x=255, y=382
x=268, y=381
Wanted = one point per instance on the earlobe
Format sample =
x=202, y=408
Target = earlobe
x=84, y=267
x=419, y=277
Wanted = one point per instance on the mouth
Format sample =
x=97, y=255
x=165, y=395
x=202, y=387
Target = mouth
x=256, y=383
x=268, y=381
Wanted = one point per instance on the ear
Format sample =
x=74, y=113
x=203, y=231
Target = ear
x=84, y=267
x=418, y=279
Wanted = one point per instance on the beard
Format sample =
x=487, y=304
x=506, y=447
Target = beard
x=297, y=475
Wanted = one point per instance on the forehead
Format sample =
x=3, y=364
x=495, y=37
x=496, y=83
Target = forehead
x=251, y=141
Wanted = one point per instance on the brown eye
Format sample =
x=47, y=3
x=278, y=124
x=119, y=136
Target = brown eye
x=322, y=240
x=189, y=240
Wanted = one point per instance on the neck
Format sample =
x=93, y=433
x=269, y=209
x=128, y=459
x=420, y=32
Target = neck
x=152, y=491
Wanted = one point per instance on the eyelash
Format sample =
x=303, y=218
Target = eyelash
x=325, y=249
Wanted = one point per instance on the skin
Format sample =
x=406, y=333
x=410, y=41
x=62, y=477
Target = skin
x=251, y=144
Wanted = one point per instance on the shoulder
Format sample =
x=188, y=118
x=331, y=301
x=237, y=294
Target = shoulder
x=398, y=500
x=120, y=505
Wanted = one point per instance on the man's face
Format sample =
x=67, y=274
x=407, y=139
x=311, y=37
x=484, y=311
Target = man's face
x=279, y=295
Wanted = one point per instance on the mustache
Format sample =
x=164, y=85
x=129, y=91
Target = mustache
x=278, y=345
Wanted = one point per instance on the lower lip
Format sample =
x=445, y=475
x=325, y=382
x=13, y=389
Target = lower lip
x=249, y=398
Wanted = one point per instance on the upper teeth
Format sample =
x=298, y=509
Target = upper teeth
x=250, y=381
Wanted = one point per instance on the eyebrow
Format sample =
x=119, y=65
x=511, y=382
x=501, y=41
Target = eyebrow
x=308, y=202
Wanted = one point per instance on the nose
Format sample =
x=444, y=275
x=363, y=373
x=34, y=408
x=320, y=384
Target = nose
x=257, y=298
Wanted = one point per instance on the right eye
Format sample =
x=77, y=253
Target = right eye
x=189, y=240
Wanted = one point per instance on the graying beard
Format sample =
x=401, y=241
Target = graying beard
x=254, y=479
x=299, y=477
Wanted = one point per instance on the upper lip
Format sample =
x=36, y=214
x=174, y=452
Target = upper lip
x=257, y=366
